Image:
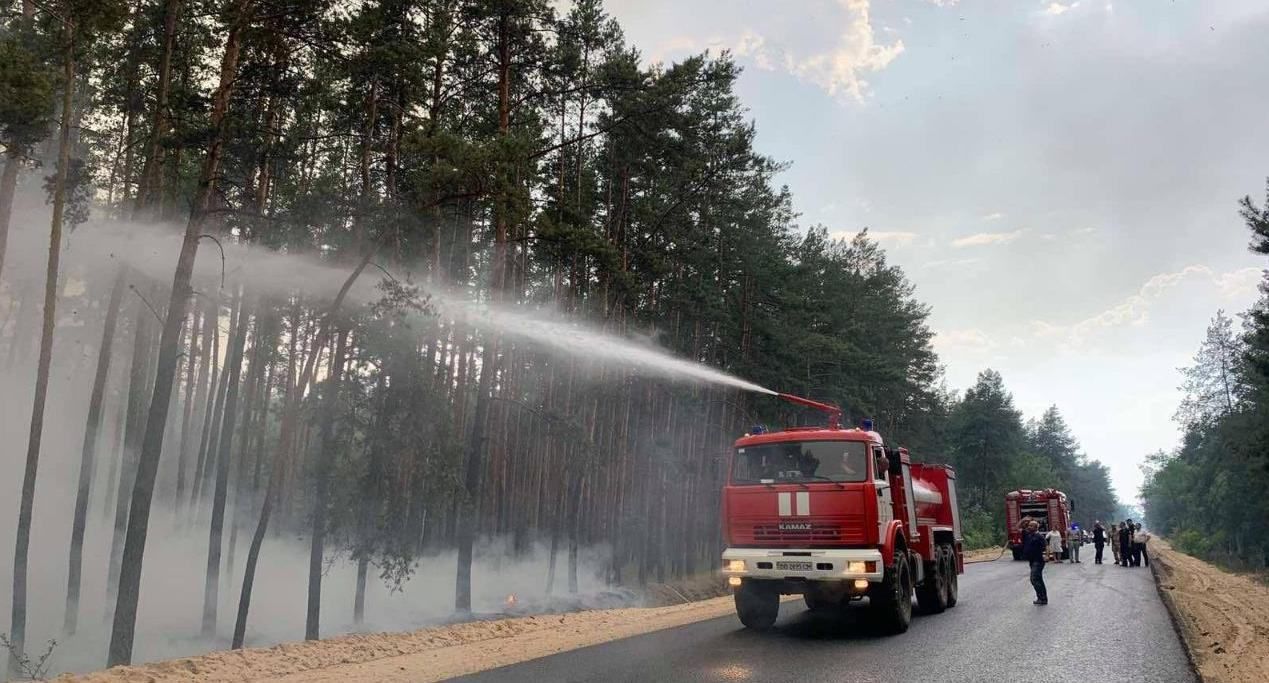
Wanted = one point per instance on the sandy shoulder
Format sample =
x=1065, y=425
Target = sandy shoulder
x=1223, y=617
x=429, y=654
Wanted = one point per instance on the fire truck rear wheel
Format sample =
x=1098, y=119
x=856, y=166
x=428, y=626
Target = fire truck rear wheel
x=890, y=602
x=953, y=582
x=932, y=593
x=757, y=605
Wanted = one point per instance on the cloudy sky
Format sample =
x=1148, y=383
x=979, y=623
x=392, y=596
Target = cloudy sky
x=1059, y=179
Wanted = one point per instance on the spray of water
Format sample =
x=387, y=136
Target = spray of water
x=94, y=250
x=569, y=337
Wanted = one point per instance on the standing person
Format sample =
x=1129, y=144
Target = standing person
x=1139, y=539
x=1125, y=544
x=1112, y=537
x=1099, y=541
x=1074, y=540
x=1033, y=548
x=1054, y=539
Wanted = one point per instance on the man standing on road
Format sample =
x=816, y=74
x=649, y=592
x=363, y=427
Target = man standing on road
x=1139, y=539
x=1099, y=541
x=1112, y=537
x=1033, y=549
x=1126, y=543
x=1074, y=540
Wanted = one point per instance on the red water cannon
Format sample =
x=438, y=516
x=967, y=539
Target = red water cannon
x=833, y=412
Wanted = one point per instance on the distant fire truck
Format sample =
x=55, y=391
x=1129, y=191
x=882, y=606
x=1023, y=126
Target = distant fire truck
x=1050, y=507
x=833, y=515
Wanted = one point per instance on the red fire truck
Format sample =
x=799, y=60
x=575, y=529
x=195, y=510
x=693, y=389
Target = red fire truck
x=1049, y=507
x=833, y=515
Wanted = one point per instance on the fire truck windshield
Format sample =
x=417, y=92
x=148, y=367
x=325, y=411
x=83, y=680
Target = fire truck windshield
x=801, y=462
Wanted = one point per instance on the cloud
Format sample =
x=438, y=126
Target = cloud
x=1134, y=311
x=993, y=216
x=897, y=238
x=983, y=239
x=938, y=263
x=971, y=339
x=1056, y=8
x=857, y=50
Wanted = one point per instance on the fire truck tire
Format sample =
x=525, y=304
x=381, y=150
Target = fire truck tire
x=890, y=601
x=953, y=582
x=757, y=605
x=815, y=601
x=932, y=593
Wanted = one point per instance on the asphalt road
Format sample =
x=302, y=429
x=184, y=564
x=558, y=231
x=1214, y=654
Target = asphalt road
x=1103, y=623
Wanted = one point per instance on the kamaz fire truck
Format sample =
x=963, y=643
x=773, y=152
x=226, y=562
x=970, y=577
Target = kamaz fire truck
x=834, y=515
x=1049, y=507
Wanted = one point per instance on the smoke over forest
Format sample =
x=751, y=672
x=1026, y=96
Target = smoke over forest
x=368, y=315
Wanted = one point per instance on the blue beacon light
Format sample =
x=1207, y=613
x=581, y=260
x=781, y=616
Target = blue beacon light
x=867, y=424
x=758, y=429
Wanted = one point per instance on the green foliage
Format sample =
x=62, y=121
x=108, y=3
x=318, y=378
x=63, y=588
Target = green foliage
x=1208, y=495
x=27, y=88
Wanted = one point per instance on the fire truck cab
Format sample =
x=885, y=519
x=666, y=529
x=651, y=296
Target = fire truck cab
x=833, y=515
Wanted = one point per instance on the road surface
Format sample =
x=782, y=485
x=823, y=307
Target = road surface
x=1103, y=623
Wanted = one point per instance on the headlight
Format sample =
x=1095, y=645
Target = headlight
x=735, y=565
x=856, y=567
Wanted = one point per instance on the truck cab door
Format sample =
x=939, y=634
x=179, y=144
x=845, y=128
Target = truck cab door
x=881, y=480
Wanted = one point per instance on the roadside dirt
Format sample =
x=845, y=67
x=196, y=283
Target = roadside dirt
x=984, y=554
x=430, y=654
x=1223, y=617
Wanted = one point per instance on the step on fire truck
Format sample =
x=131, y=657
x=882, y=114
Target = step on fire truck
x=1050, y=507
x=833, y=515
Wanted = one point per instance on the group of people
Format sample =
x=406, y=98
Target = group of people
x=1127, y=542
x=1126, y=539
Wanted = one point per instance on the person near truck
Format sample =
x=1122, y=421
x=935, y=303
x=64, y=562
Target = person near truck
x=1125, y=544
x=1112, y=537
x=1034, y=547
x=1054, y=538
x=1074, y=540
x=1099, y=541
x=1139, y=539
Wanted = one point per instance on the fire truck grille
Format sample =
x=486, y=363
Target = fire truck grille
x=773, y=533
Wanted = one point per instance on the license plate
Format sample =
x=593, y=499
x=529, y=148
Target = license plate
x=794, y=566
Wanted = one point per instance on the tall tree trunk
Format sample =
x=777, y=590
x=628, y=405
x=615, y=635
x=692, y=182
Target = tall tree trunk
x=233, y=368
x=8, y=186
x=123, y=629
x=134, y=428
x=22, y=543
x=88, y=456
x=325, y=462
x=151, y=171
x=187, y=411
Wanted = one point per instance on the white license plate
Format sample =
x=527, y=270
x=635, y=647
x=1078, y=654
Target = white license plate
x=794, y=566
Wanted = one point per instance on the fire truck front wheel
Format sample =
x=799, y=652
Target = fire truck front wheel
x=757, y=604
x=890, y=602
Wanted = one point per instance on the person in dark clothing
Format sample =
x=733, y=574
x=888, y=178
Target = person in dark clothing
x=1099, y=541
x=1033, y=549
x=1125, y=543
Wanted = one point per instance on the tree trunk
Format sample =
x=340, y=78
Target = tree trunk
x=134, y=427
x=22, y=542
x=233, y=368
x=470, y=506
x=151, y=171
x=325, y=462
x=8, y=186
x=88, y=456
x=187, y=411
x=125, y=618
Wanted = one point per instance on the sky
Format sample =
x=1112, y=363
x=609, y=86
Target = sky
x=1058, y=179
